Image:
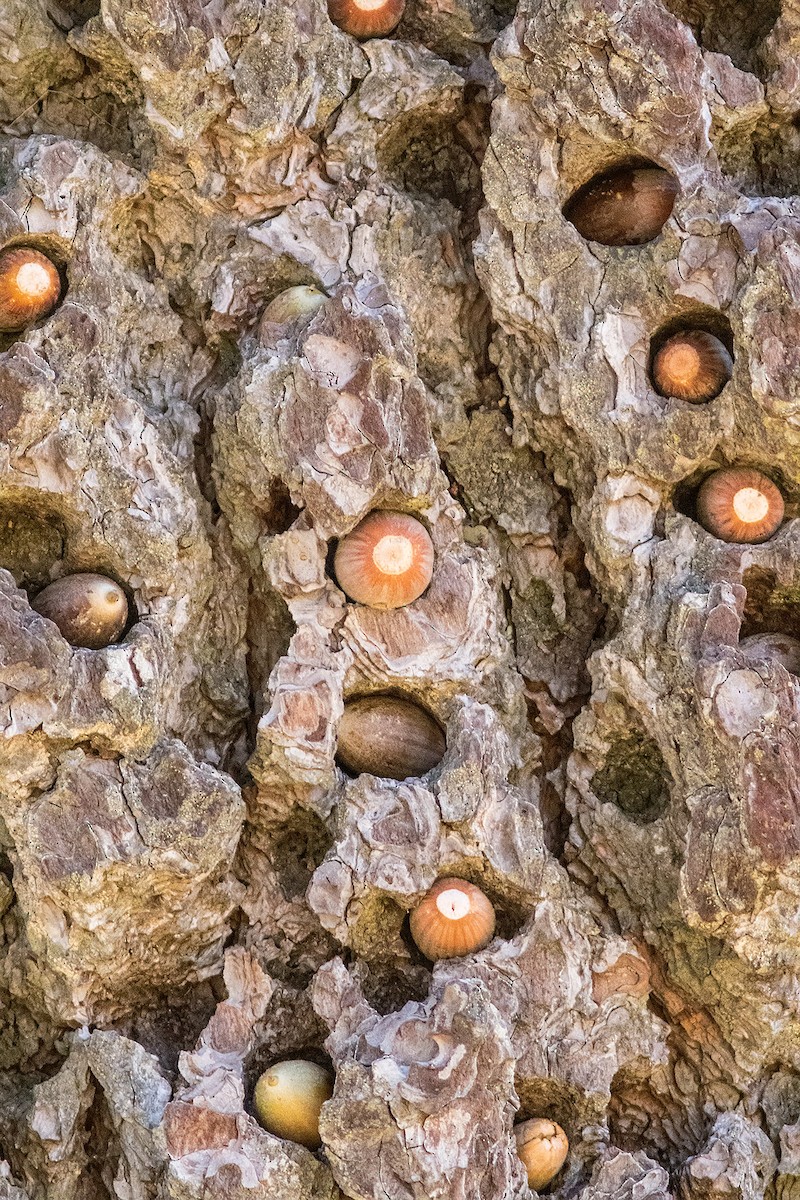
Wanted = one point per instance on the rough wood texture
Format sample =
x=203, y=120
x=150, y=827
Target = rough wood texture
x=190, y=887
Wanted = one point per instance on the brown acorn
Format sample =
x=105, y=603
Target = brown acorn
x=90, y=610
x=454, y=919
x=778, y=646
x=366, y=18
x=543, y=1147
x=388, y=737
x=386, y=561
x=30, y=287
x=626, y=207
x=739, y=504
x=288, y=1099
x=693, y=365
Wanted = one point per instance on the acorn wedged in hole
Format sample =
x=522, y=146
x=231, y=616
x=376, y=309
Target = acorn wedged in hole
x=290, y=305
x=693, y=365
x=388, y=737
x=739, y=504
x=288, y=1099
x=386, y=561
x=366, y=18
x=30, y=287
x=626, y=207
x=543, y=1147
x=781, y=647
x=454, y=919
x=89, y=610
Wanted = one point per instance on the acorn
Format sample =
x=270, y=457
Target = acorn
x=89, y=610
x=288, y=1099
x=388, y=737
x=386, y=562
x=454, y=919
x=778, y=646
x=30, y=287
x=625, y=207
x=543, y=1147
x=739, y=504
x=366, y=18
x=693, y=365
x=289, y=306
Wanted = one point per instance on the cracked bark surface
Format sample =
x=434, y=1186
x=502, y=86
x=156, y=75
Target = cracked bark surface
x=190, y=886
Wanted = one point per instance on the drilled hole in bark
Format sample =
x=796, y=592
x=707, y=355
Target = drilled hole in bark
x=553, y=1101
x=732, y=27
x=173, y=1023
x=635, y=778
x=421, y=156
x=769, y=607
x=703, y=321
x=297, y=850
x=289, y=1029
x=765, y=162
x=30, y=545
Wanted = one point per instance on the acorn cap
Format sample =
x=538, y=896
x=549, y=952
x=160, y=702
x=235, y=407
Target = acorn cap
x=780, y=647
x=626, y=207
x=739, y=504
x=454, y=919
x=288, y=1098
x=543, y=1147
x=693, y=365
x=89, y=610
x=386, y=562
x=388, y=737
x=30, y=287
x=366, y=18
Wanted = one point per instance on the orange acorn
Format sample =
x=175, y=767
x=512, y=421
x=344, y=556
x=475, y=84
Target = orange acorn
x=89, y=610
x=454, y=919
x=288, y=1099
x=778, y=646
x=543, y=1147
x=624, y=207
x=388, y=737
x=693, y=365
x=386, y=562
x=366, y=18
x=30, y=287
x=739, y=504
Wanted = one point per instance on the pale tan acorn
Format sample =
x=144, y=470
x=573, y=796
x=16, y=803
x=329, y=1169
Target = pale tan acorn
x=543, y=1147
x=89, y=610
x=292, y=305
x=386, y=561
x=740, y=504
x=288, y=1099
x=625, y=207
x=388, y=737
x=30, y=287
x=780, y=647
x=693, y=365
x=454, y=919
x=366, y=18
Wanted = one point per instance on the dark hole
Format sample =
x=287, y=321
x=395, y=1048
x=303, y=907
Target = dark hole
x=30, y=545
x=732, y=27
x=422, y=156
x=634, y=777
x=769, y=607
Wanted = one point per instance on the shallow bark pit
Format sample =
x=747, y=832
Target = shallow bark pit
x=635, y=778
x=422, y=156
x=691, y=358
x=733, y=27
x=30, y=546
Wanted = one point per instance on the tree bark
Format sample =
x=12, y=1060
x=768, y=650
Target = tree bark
x=191, y=887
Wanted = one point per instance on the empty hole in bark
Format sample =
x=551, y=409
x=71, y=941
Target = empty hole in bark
x=706, y=320
x=766, y=162
x=102, y=1150
x=635, y=778
x=31, y=543
x=732, y=27
x=76, y=12
x=173, y=1023
x=387, y=987
x=297, y=849
x=769, y=607
x=279, y=512
x=422, y=156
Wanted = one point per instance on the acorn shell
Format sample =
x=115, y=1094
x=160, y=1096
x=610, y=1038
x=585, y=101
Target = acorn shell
x=777, y=646
x=626, y=207
x=693, y=366
x=543, y=1147
x=454, y=919
x=366, y=18
x=30, y=287
x=288, y=1099
x=739, y=504
x=89, y=610
x=386, y=562
x=388, y=737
